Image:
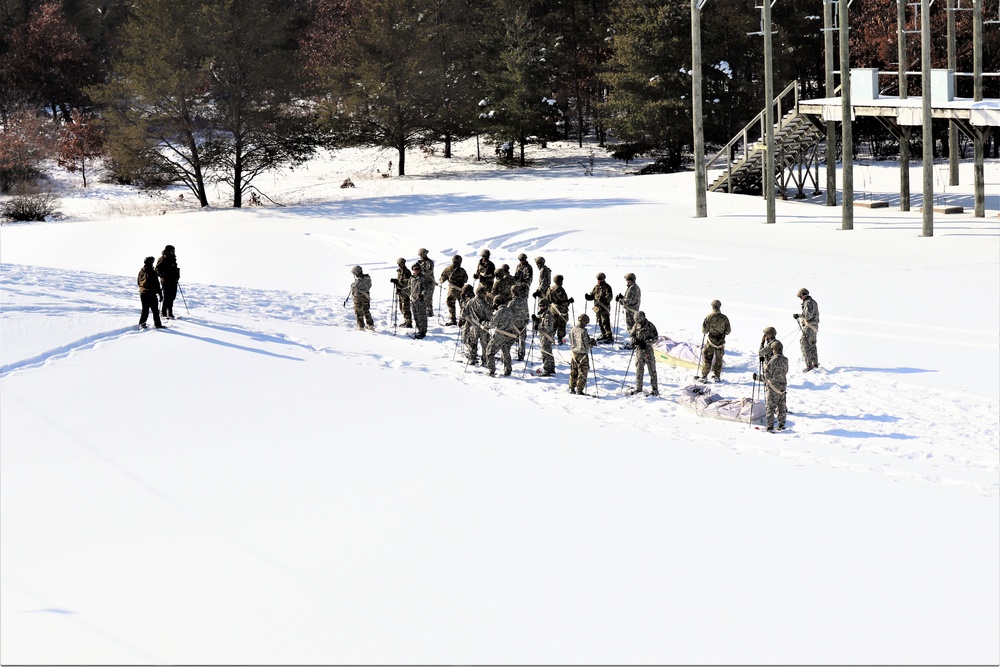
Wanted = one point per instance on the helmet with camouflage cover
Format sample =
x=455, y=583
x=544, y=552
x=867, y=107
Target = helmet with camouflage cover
x=522, y=257
x=357, y=270
x=498, y=301
x=481, y=291
x=601, y=276
x=802, y=292
x=583, y=320
x=401, y=261
x=457, y=259
x=558, y=280
x=416, y=267
x=422, y=252
x=640, y=316
x=770, y=331
x=485, y=252
x=716, y=305
x=539, y=261
x=630, y=276
x=777, y=347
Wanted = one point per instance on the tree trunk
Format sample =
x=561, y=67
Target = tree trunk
x=447, y=144
x=199, y=177
x=401, y=146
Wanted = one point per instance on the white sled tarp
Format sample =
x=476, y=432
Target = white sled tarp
x=702, y=400
x=669, y=351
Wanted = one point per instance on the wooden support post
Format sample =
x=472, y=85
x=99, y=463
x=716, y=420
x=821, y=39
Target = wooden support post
x=927, y=137
x=831, y=127
x=847, y=135
x=700, y=178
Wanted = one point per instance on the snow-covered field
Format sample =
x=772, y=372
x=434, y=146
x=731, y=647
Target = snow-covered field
x=260, y=483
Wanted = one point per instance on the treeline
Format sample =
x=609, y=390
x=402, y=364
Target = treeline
x=202, y=91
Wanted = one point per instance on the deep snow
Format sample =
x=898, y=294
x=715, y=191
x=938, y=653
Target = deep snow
x=260, y=483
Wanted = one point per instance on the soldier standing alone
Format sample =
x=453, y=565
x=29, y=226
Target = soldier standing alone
x=716, y=328
x=361, y=295
x=809, y=323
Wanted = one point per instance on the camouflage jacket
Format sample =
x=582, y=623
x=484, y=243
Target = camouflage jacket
x=503, y=322
x=361, y=288
x=544, y=279
x=485, y=270
x=558, y=298
x=643, y=333
x=403, y=275
x=632, y=298
x=456, y=277
x=477, y=311
x=523, y=273
x=602, y=294
x=503, y=286
x=580, y=341
x=776, y=372
x=148, y=281
x=765, y=346
x=522, y=313
x=716, y=325
x=810, y=312
x=427, y=268
x=419, y=285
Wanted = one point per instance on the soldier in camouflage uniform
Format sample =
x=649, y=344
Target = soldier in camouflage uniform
x=580, y=343
x=601, y=295
x=630, y=300
x=503, y=282
x=523, y=273
x=504, y=336
x=402, y=283
x=775, y=378
x=544, y=278
x=427, y=268
x=149, y=293
x=770, y=333
x=716, y=328
x=420, y=287
x=485, y=270
x=361, y=295
x=544, y=323
x=644, y=334
x=476, y=315
x=456, y=277
x=809, y=322
x=522, y=315
x=559, y=304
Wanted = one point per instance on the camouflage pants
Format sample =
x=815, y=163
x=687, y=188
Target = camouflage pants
x=548, y=361
x=470, y=339
x=578, y=368
x=712, y=359
x=629, y=319
x=404, y=307
x=429, y=301
x=644, y=357
x=499, y=343
x=808, y=345
x=419, y=316
x=362, y=311
x=560, y=326
x=451, y=301
x=775, y=405
x=604, y=322
x=522, y=337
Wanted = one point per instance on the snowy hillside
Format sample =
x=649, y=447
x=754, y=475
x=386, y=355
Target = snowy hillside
x=260, y=483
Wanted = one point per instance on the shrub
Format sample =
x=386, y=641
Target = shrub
x=24, y=206
x=26, y=140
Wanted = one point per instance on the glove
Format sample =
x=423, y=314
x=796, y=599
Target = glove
x=761, y=359
x=536, y=294
x=619, y=297
x=571, y=300
x=394, y=281
x=461, y=322
x=755, y=377
x=588, y=297
x=475, y=276
x=534, y=320
x=797, y=315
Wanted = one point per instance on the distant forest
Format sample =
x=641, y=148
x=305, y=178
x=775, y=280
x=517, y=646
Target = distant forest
x=203, y=91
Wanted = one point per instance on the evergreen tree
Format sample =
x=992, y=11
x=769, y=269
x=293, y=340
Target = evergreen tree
x=453, y=46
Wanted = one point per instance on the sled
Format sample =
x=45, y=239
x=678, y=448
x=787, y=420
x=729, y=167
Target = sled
x=673, y=353
x=706, y=403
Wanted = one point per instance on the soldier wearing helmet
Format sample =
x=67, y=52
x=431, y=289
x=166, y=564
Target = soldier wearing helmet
x=601, y=295
x=402, y=283
x=770, y=333
x=809, y=323
x=485, y=270
x=361, y=295
x=427, y=269
x=456, y=277
x=774, y=375
x=523, y=273
x=580, y=343
x=170, y=275
x=715, y=327
x=504, y=335
x=644, y=336
x=544, y=278
x=476, y=314
x=421, y=291
x=630, y=301
x=559, y=303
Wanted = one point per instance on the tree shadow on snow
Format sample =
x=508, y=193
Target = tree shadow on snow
x=841, y=433
x=216, y=341
x=872, y=369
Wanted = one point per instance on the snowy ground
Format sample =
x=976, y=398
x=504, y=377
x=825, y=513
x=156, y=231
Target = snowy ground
x=260, y=483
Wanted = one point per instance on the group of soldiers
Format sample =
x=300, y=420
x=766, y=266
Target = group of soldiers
x=158, y=283
x=493, y=312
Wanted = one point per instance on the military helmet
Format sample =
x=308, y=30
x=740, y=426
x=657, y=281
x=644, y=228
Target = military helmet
x=601, y=276
x=802, y=292
x=630, y=276
x=771, y=331
x=558, y=280
x=481, y=290
x=467, y=289
x=522, y=257
x=583, y=320
x=716, y=305
x=416, y=267
x=640, y=316
x=356, y=270
x=539, y=261
x=457, y=259
x=168, y=248
x=498, y=301
x=777, y=347
x=422, y=252
x=149, y=260
x=485, y=252
x=401, y=261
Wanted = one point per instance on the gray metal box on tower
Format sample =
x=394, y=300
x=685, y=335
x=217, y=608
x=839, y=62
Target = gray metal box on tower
x=942, y=85
x=864, y=84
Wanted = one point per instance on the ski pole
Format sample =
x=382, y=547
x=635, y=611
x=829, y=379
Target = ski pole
x=627, y=366
x=395, y=308
x=701, y=355
x=593, y=368
x=531, y=346
x=189, y=311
